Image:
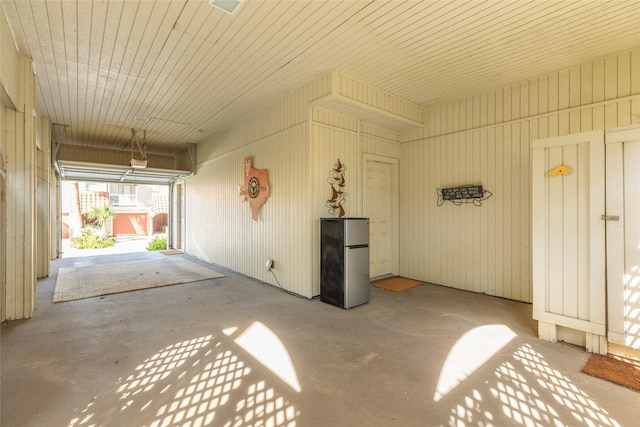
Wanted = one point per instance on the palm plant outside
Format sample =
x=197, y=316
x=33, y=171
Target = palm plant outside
x=100, y=215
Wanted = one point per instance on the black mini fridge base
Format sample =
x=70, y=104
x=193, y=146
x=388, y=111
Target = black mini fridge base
x=344, y=261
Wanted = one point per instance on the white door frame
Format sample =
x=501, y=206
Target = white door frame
x=616, y=224
x=182, y=218
x=395, y=194
x=176, y=216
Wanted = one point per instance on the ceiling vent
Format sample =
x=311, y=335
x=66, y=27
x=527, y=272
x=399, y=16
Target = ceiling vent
x=229, y=6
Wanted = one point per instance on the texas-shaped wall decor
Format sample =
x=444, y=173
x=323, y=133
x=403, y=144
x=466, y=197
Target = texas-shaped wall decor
x=255, y=188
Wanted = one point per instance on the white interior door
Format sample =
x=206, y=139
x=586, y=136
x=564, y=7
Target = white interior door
x=568, y=239
x=623, y=237
x=381, y=207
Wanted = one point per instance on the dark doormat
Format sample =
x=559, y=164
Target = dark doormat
x=397, y=284
x=625, y=372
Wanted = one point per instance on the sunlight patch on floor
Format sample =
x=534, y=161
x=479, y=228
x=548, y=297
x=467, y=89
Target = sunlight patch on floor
x=266, y=348
x=469, y=353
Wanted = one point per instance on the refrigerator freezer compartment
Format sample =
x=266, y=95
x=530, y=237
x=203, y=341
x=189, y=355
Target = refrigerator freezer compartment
x=356, y=232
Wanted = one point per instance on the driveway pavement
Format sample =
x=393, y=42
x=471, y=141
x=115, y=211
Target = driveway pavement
x=124, y=244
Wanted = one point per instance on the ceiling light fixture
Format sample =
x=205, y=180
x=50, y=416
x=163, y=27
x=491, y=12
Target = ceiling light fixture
x=229, y=6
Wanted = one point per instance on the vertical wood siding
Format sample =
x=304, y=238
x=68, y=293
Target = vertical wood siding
x=43, y=222
x=20, y=195
x=568, y=239
x=337, y=136
x=623, y=237
x=482, y=139
x=9, y=64
x=220, y=228
x=564, y=230
x=355, y=90
x=3, y=211
x=298, y=145
x=381, y=142
x=328, y=144
x=485, y=139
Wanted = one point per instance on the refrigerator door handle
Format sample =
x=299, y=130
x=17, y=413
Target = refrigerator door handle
x=357, y=246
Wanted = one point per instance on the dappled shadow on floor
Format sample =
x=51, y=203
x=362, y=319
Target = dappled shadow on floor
x=208, y=380
x=526, y=390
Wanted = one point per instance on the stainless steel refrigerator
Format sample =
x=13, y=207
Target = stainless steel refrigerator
x=344, y=261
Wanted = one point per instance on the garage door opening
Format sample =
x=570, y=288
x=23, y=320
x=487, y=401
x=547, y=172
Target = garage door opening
x=101, y=218
x=137, y=207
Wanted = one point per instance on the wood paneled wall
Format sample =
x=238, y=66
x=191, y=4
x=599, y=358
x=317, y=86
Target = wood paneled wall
x=19, y=145
x=220, y=228
x=569, y=268
x=298, y=144
x=9, y=71
x=3, y=211
x=44, y=203
x=333, y=137
x=480, y=139
x=485, y=139
x=9, y=65
x=336, y=136
x=375, y=98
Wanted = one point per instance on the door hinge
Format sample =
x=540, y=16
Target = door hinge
x=610, y=218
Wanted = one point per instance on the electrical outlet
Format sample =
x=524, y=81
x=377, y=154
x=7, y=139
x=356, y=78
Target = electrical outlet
x=269, y=264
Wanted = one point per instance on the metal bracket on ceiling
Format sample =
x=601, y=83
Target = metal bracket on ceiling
x=54, y=139
x=140, y=142
x=56, y=146
x=54, y=155
x=54, y=158
x=193, y=155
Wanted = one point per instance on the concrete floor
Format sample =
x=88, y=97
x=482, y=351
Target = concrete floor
x=233, y=352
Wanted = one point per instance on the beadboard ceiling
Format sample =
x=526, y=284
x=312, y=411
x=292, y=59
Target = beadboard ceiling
x=190, y=70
